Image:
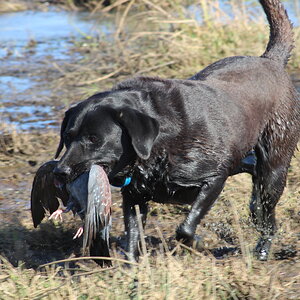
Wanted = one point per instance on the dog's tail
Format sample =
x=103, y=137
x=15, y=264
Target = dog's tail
x=281, y=40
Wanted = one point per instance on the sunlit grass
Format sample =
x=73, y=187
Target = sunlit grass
x=168, y=39
x=12, y=5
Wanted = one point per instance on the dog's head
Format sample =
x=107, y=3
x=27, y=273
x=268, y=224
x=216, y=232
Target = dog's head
x=104, y=130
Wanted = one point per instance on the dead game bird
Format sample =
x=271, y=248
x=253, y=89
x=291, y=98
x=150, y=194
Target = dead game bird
x=88, y=196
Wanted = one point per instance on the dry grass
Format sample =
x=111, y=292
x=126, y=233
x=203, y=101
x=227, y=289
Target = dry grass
x=12, y=5
x=167, y=40
x=14, y=142
x=187, y=277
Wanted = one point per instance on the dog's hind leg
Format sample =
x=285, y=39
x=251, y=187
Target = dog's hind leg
x=268, y=184
x=209, y=192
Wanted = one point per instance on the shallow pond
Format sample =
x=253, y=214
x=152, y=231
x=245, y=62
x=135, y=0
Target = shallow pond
x=29, y=42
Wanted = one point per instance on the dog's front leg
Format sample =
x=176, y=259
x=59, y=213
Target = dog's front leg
x=131, y=226
x=209, y=192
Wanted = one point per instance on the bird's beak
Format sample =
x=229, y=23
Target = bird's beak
x=58, y=184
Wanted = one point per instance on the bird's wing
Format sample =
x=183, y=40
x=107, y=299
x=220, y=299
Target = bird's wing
x=97, y=218
x=44, y=193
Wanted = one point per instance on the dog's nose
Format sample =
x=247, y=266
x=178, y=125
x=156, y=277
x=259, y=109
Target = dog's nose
x=62, y=172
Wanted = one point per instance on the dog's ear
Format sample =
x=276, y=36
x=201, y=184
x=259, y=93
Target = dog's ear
x=62, y=130
x=142, y=129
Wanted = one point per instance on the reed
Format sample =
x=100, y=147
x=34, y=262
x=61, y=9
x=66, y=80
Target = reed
x=172, y=40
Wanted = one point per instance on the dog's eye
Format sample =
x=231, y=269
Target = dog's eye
x=93, y=139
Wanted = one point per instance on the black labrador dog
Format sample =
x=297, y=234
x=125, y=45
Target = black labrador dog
x=179, y=140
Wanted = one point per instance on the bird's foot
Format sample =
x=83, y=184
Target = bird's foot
x=57, y=214
x=78, y=233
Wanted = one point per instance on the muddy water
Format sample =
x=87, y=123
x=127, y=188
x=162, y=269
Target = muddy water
x=32, y=46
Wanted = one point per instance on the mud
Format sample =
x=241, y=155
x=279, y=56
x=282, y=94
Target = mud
x=34, y=55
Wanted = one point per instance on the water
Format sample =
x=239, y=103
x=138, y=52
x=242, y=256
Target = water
x=49, y=33
x=29, y=41
x=14, y=84
x=27, y=117
x=253, y=10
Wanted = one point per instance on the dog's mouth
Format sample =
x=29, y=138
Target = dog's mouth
x=77, y=171
x=118, y=175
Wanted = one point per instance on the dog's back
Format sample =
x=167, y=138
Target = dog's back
x=261, y=85
x=259, y=88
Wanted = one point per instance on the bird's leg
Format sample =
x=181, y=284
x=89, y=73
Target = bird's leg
x=58, y=213
x=64, y=209
x=78, y=233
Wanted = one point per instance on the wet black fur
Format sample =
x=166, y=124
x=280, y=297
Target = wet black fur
x=181, y=139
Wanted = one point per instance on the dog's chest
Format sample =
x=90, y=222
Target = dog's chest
x=151, y=181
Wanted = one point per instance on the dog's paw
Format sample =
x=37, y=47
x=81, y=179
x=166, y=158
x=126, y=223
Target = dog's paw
x=262, y=249
x=198, y=243
x=187, y=237
x=185, y=234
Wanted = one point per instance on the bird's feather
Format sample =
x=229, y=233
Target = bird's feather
x=88, y=195
x=97, y=218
